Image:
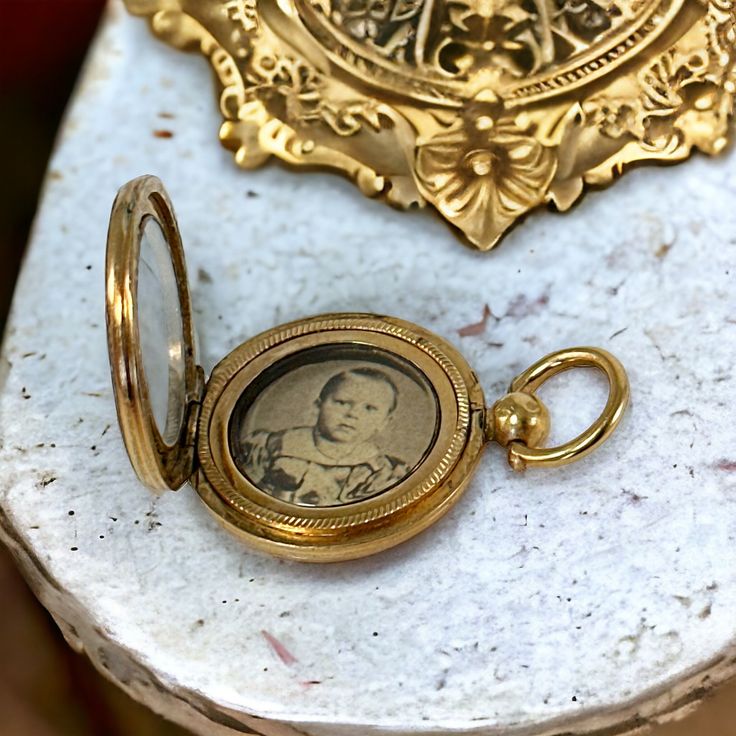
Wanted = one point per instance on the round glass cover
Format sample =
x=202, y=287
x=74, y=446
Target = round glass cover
x=161, y=331
x=334, y=425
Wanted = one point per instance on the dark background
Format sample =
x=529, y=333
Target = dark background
x=45, y=688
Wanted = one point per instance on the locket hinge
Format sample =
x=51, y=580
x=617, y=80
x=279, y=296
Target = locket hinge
x=193, y=411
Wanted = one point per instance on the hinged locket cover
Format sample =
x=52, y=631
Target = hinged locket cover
x=150, y=334
x=325, y=439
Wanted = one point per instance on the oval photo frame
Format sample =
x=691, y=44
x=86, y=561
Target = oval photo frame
x=409, y=502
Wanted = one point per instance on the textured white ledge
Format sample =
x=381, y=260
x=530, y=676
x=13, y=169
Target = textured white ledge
x=581, y=600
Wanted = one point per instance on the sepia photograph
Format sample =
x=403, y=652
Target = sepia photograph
x=334, y=425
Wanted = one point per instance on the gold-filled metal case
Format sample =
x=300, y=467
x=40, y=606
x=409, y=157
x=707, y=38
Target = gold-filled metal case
x=326, y=439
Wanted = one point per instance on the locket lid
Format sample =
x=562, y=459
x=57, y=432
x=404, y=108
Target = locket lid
x=151, y=339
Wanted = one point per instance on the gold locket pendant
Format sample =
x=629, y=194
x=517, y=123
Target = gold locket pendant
x=326, y=439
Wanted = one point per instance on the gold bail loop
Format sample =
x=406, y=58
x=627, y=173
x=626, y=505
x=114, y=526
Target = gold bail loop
x=521, y=422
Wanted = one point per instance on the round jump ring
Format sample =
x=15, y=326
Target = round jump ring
x=520, y=455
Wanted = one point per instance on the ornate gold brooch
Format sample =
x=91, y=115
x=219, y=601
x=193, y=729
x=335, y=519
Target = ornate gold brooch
x=328, y=438
x=485, y=109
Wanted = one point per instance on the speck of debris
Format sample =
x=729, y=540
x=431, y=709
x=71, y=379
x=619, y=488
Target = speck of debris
x=204, y=277
x=224, y=601
x=727, y=465
x=706, y=612
x=48, y=481
x=137, y=521
x=285, y=614
x=89, y=267
x=477, y=328
x=93, y=448
x=102, y=536
x=635, y=497
x=251, y=194
x=163, y=134
x=200, y=622
x=71, y=513
x=166, y=115
x=521, y=306
x=618, y=332
x=74, y=549
x=574, y=698
x=25, y=393
x=375, y=633
x=113, y=518
x=279, y=649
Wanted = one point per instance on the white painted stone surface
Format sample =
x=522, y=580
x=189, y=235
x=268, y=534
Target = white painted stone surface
x=593, y=597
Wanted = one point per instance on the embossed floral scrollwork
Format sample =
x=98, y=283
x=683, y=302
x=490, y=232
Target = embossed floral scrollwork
x=483, y=175
x=301, y=91
x=484, y=109
x=683, y=92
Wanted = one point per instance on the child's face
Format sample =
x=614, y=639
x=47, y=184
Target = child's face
x=356, y=410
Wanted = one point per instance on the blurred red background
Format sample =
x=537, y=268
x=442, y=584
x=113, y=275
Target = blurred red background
x=43, y=43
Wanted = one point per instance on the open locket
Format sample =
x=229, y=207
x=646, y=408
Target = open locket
x=325, y=439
